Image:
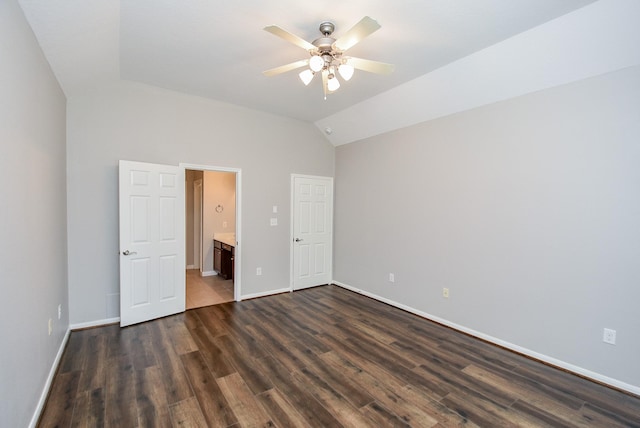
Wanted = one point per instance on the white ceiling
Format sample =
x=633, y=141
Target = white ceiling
x=218, y=50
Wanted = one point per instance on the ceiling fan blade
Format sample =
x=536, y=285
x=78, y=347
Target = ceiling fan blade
x=292, y=38
x=358, y=32
x=371, y=66
x=286, y=67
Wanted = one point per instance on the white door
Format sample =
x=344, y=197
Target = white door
x=312, y=202
x=152, y=241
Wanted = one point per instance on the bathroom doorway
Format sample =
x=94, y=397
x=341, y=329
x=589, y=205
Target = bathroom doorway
x=211, y=213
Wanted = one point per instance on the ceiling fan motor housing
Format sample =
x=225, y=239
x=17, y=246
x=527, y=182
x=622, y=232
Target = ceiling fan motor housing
x=326, y=28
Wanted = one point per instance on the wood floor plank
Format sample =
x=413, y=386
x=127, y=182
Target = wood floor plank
x=61, y=401
x=176, y=384
x=94, y=368
x=90, y=409
x=243, y=403
x=479, y=410
x=255, y=379
x=187, y=414
x=151, y=399
x=213, y=404
x=333, y=374
x=178, y=334
x=341, y=408
x=597, y=395
x=382, y=417
x=292, y=354
x=390, y=394
x=314, y=413
x=558, y=406
x=595, y=416
x=215, y=358
x=120, y=396
x=282, y=412
x=459, y=380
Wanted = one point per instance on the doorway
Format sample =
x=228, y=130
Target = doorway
x=211, y=214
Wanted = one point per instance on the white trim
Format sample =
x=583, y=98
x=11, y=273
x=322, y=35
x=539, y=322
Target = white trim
x=197, y=237
x=191, y=267
x=265, y=294
x=291, y=223
x=237, y=277
x=541, y=357
x=209, y=273
x=96, y=323
x=47, y=385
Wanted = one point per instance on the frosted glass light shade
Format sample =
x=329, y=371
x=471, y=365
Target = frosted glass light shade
x=333, y=84
x=316, y=63
x=346, y=71
x=306, y=76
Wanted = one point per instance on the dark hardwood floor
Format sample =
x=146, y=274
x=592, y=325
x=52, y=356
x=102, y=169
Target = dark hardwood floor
x=319, y=357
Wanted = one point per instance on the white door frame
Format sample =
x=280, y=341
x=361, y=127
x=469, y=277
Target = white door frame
x=237, y=278
x=197, y=225
x=292, y=231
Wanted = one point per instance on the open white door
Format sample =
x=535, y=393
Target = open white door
x=152, y=241
x=312, y=205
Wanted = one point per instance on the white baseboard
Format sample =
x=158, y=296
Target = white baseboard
x=264, y=294
x=97, y=323
x=597, y=377
x=209, y=273
x=47, y=384
x=192, y=267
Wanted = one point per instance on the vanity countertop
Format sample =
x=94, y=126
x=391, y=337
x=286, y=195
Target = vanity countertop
x=226, y=238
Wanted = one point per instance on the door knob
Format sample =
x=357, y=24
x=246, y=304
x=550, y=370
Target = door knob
x=299, y=240
x=128, y=253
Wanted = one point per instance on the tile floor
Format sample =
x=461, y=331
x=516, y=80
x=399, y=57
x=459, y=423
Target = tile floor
x=207, y=290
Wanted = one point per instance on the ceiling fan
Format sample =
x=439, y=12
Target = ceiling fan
x=326, y=54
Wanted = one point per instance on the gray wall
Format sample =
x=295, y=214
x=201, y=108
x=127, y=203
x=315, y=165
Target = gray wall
x=527, y=210
x=141, y=123
x=33, y=243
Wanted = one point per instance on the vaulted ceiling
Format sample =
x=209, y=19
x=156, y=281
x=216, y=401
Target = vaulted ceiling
x=218, y=49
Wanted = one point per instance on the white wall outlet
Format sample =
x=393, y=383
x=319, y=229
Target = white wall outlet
x=445, y=293
x=392, y=278
x=259, y=271
x=59, y=311
x=224, y=224
x=609, y=336
x=274, y=221
x=275, y=209
x=50, y=326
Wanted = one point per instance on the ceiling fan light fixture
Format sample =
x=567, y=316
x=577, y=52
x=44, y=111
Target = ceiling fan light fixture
x=316, y=63
x=346, y=71
x=306, y=76
x=326, y=54
x=332, y=83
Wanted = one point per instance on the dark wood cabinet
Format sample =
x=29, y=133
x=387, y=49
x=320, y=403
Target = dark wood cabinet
x=223, y=255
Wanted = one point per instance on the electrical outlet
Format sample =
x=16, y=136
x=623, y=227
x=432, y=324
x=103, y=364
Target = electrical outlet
x=392, y=278
x=59, y=311
x=259, y=271
x=224, y=224
x=445, y=293
x=273, y=222
x=609, y=336
x=50, y=326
